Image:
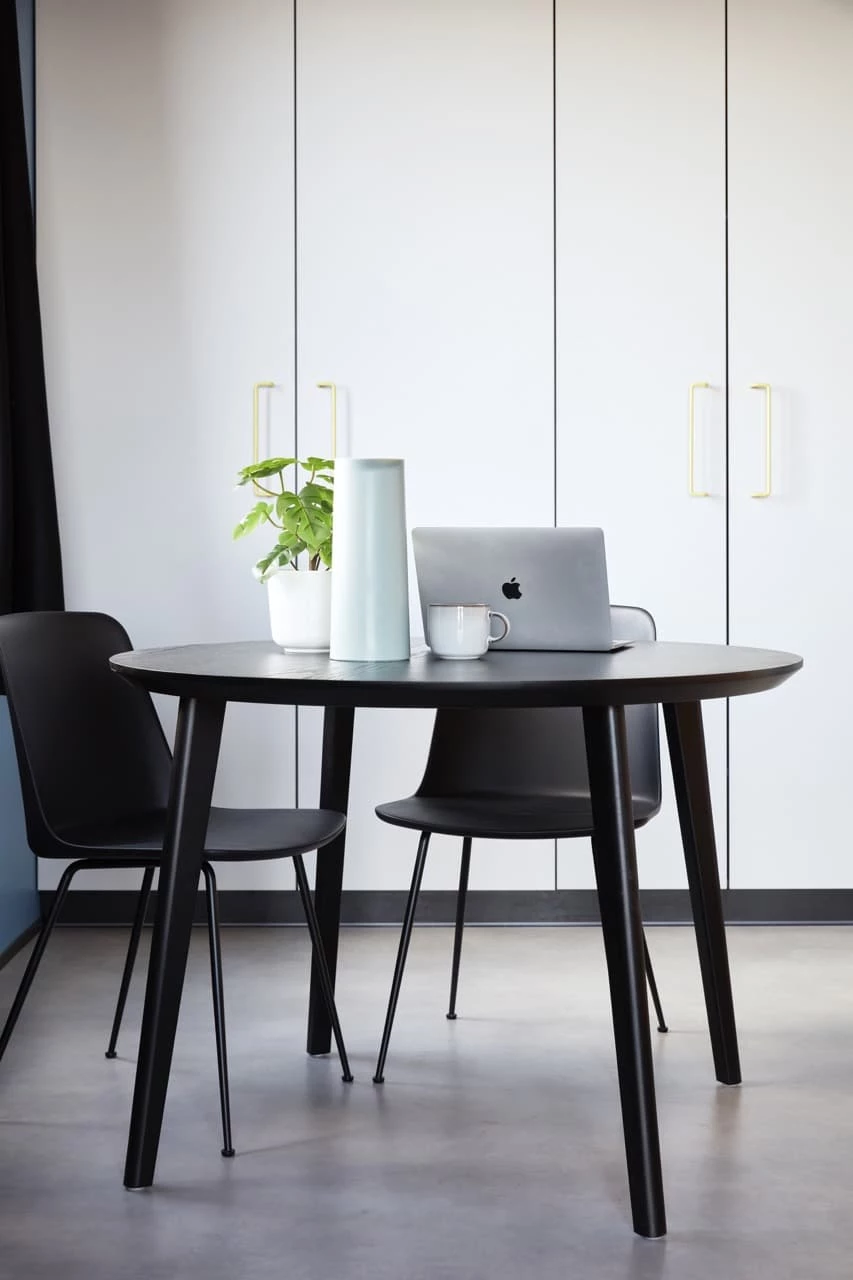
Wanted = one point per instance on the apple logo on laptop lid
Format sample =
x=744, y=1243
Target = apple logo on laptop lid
x=512, y=589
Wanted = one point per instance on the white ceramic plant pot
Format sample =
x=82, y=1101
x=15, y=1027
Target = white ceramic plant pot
x=300, y=604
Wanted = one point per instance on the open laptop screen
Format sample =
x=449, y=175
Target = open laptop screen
x=551, y=583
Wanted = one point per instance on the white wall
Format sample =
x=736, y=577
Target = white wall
x=426, y=291
x=641, y=314
x=428, y=282
x=166, y=267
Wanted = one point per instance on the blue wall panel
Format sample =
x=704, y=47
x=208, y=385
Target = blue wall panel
x=18, y=896
x=26, y=43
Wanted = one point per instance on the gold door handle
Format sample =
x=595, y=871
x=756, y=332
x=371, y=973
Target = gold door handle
x=768, y=440
x=691, y=446
x=331, y=386
x=257, y=388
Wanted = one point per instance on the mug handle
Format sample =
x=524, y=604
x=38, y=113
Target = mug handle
x=493, y=613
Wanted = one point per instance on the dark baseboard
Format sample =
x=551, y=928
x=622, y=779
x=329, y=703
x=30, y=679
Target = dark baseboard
x=563, y=906
x=21, y=941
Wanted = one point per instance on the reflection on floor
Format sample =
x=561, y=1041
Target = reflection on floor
x=493, y=1150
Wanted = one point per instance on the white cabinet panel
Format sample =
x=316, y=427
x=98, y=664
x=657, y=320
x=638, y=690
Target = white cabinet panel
x=790, y=219
x=165, y=233
x=640, y=138
x=425, y=291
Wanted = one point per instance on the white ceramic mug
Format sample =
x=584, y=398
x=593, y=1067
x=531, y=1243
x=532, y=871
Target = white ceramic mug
x=463, y=630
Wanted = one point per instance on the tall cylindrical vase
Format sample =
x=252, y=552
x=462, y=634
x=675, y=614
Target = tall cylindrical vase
x=370, y=584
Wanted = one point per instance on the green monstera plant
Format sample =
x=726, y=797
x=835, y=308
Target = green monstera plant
x=302, y=516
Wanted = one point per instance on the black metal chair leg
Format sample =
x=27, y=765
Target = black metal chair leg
x=130, y=958
x=218, y=1005
x=460, y=924
x=37, y=952
x=402, y=952
x=319, y=958
x=653, y=987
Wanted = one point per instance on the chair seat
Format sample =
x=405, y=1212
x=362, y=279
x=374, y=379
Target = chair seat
x=504, y=817
x=232, y=835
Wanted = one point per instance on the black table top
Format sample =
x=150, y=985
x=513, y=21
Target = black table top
x=260, y=672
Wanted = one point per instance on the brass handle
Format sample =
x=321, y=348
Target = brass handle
x=691, y=447
x=257, y=388
x=331, y=386
x=768, y=440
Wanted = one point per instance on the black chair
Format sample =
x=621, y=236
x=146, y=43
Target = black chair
x=95, y=769
x=516, y=775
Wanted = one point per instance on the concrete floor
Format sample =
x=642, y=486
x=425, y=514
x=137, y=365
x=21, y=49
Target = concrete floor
x=493, y=1150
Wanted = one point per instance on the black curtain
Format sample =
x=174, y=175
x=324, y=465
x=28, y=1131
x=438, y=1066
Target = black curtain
x=30, y=561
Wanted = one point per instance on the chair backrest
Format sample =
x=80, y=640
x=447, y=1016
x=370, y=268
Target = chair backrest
x=89, y=744
x=539, y=752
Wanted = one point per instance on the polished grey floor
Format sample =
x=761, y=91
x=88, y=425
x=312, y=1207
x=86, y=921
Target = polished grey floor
x=493, y=1150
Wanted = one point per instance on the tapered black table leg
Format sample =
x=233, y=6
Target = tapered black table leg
x=334, y=794
x=619, y=902
x=196, y=751
x=686, y=740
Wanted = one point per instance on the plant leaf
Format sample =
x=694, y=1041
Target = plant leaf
x=258, y=514
x=314, y=525
x=290, y=541
x=312, y=492
x=303, y=517
x=263, y=566
x=291, y=518
x=286, y=502
x=268, y=467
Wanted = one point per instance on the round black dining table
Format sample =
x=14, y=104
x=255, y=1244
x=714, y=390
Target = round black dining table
x=679, y=677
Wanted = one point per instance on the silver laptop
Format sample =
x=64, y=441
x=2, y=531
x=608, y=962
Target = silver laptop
x=550, y=583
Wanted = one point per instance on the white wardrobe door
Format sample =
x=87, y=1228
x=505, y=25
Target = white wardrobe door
x=425, y=291
x=790, y=219
x=165, y=237
x=640, y=134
